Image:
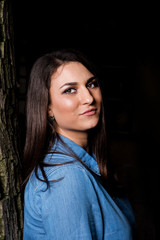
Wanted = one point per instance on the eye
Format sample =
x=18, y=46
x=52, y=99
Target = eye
x=70, y=91
x=93, y=84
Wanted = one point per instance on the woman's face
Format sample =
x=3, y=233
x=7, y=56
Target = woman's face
x=75, y=98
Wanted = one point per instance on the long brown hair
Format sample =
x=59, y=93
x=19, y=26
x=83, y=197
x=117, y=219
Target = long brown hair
x=40, y=132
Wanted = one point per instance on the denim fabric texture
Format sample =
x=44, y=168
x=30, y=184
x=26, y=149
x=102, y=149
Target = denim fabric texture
x=77, y=207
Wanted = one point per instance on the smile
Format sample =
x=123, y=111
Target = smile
x=89, y=112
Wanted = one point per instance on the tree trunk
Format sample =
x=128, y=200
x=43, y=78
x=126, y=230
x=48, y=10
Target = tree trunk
x=11, y=213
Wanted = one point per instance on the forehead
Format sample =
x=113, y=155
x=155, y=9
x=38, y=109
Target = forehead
x=72, y=71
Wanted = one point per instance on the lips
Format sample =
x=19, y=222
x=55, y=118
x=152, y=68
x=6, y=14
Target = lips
x=89, y=112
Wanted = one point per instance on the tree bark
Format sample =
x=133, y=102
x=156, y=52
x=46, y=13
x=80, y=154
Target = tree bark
x=11, y=213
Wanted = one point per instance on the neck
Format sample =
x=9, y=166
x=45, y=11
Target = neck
x=81, y=138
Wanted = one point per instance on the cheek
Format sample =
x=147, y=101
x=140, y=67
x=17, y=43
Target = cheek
x=65, y=105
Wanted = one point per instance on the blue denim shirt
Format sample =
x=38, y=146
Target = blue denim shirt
x=77, y=207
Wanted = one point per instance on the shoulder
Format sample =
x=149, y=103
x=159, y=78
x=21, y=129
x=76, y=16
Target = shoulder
x=68, y=181
x=72, y=174
x=53, y=162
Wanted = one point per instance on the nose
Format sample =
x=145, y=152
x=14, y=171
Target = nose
x=86, y=96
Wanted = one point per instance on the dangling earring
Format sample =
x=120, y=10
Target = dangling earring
x=52, y=118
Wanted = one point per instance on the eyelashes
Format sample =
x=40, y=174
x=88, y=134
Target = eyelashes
x=90, y=85
x=70, y=91
x=93, y=84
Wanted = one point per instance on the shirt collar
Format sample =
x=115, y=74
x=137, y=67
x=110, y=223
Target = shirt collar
x=87, y=159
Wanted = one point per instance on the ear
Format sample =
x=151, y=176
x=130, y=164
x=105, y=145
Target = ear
x=50, y=112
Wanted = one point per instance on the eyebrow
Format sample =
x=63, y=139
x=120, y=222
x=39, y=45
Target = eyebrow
x=76, y=83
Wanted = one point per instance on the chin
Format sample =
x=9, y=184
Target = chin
x=92, y=125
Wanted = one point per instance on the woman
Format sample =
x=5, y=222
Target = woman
x=68, y=194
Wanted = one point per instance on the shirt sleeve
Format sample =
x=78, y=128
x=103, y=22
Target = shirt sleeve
x=69, y=205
